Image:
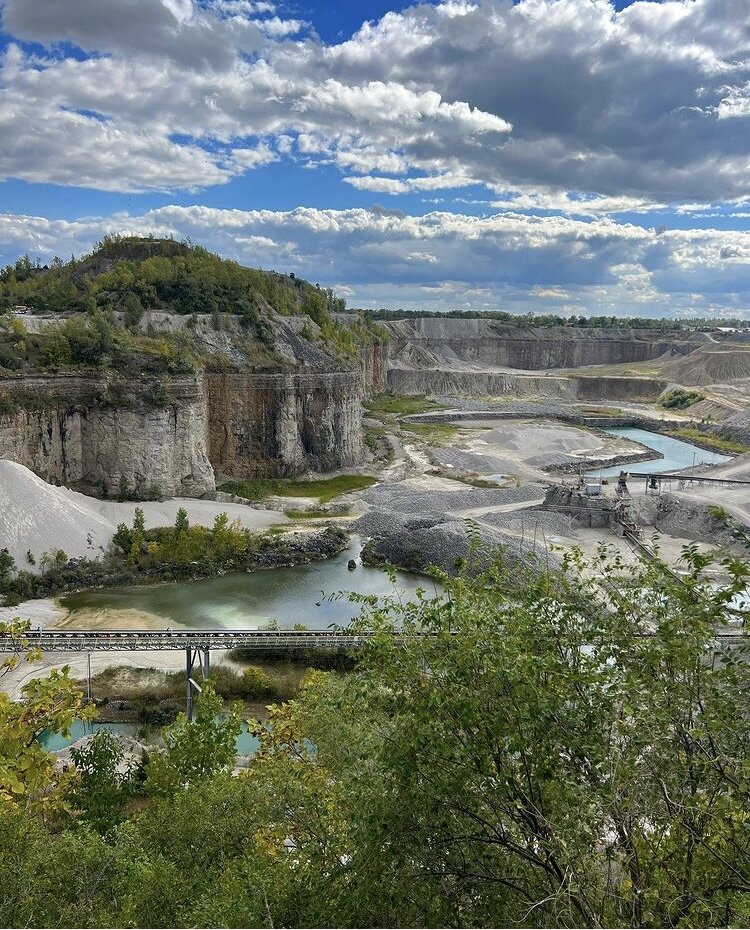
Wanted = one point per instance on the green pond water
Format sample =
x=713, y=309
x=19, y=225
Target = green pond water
x=677, y=454
x=302, y=594
x=247, y=744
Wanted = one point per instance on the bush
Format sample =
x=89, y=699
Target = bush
x=680, y=399
x=256, y=684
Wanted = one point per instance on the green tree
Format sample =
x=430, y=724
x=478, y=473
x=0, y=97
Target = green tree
x=106, y=781
x=196, y=750
x=133, y=309
x=28, y=778
x=137, y=536
x=555, y=751
x=181, y=523
x=7, y=565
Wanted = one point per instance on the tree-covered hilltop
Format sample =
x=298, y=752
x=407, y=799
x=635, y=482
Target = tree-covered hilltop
x=101, y=299
x=133, y=273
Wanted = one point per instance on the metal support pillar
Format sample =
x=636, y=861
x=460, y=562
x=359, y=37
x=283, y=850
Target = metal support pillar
x=195, y=656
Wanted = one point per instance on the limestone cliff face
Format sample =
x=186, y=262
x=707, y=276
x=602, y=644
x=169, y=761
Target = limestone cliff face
x=374, y=359
x=267, y=424
x=74, y=430
x=249, y=413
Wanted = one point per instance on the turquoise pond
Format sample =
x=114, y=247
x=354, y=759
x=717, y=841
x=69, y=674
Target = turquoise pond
x=677, y=454
x=307, y=594
x=246, y=743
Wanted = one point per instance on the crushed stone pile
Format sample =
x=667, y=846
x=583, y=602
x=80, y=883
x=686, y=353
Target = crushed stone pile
x=445, y=545
x=381, y=521
x=532, y=523
x=38, y=517
x=404, y=498
x=736, y=427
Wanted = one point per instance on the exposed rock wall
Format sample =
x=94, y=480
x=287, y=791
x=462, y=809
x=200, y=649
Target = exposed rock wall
x=71, y=429
x=374, y=359
x=266, y=424
x=493, y=344
x=447, y=382
x=253, y=412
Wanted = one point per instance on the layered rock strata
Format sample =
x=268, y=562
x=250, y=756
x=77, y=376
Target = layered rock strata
x=87, y=430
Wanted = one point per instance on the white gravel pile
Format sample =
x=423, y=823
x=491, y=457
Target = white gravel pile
x=39, y=517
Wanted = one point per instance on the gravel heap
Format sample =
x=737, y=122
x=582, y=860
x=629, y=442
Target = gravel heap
x=736, y=427
x=381, y=521
x=403, y=498
x=531, y=522
x=446, y=544
x=477, y=462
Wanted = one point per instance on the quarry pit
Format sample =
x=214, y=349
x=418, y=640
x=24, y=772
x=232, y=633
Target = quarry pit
x=470, y=430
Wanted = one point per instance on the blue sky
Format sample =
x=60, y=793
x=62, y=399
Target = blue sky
x=569, y=156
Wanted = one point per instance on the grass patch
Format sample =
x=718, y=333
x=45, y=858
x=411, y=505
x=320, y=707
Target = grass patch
x=313, y=513
x=400, y=404
x=690, y=434
x=432, y=433
x=473, y=481
x=325, y=489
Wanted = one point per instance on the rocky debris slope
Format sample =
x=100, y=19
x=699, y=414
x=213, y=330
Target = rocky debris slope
x=413, y=527
x=709, y=364
x=447, y=545
x=687, y=520
x=736, y=427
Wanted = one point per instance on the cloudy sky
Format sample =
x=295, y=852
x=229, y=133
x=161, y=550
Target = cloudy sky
x=548, y=155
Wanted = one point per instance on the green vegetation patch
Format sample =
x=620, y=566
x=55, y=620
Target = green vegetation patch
x=325, y=489
x=680, y=399
x=400, y=404
x=132, y=274
x=712, y=440
x=435, y=434
x=95, y=341
x=533, y=758
x=314, y=513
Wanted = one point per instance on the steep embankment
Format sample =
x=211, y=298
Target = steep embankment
x=91, y=429
x=433, y=342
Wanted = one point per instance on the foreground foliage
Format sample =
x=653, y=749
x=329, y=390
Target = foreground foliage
x=560, y=755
